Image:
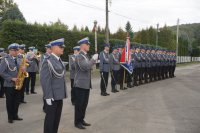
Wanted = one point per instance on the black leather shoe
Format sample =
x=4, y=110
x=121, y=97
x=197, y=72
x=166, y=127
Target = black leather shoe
x=18, y=119
x=10, y=121
x=23, y=102
x=85, y=124
x=2, y=97
x=27, y=93
x=103, y=94
x=80, y=126
x=107, y=94
x=116, y=90
x=113, y=91
x=33, y=92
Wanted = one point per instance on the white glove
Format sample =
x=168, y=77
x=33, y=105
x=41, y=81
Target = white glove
x=95, y=57
x=49, y=101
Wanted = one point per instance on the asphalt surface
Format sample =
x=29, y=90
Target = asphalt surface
x=168, y=106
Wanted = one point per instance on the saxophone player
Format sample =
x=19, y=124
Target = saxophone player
x=8, y=70
x=21, y=55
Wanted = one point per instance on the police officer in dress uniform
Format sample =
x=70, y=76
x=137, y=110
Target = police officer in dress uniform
x=82, y=82
x=114, y=68
x=32, y=70
x=8, y=70
x=21, y=55
x=2, y=90
x=104, y=67
x=43, y=57
x=133, y=65
x=137, y=58
x=52, y=79
x=72, y=72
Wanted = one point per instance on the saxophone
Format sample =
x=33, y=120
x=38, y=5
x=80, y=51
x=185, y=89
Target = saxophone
x=21, y=74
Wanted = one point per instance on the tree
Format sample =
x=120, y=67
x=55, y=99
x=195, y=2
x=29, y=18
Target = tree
x=5, y=5
x=128, y=27
x=75, y=28
x=82, y=29
x=87, y=29
x=13, y=13
x=99, y=29
x=59, y=25
x=120, y=34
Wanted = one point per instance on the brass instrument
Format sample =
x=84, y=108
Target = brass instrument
x=21, y=74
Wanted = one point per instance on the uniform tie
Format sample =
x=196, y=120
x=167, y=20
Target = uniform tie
x=15, y=59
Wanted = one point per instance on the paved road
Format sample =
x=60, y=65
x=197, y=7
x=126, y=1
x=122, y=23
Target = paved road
x=169, y=106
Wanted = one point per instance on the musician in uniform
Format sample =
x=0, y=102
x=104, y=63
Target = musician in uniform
x=21, y=55
x=52, y=79
x=104, y=69
x=43, y=57
x=82, y=82
x=8, y=70
x=2, y=91
x=32, y=70
x=72, y=72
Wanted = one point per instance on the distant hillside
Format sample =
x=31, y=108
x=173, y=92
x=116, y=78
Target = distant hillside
x=190, y=30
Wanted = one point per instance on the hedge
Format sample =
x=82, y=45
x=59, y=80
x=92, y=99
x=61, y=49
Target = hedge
x=39, y=35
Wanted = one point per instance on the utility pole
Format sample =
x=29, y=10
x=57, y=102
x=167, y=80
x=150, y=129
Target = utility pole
x=107, y=26
x=177, y=35
x=157, y=35
x=95, y=32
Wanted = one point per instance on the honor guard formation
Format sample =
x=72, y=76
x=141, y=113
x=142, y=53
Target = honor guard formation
x=18, y=70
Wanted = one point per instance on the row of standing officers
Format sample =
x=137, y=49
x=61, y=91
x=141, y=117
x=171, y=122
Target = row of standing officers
x=149, y=64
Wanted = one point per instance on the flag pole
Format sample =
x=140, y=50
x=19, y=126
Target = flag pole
x=124, y=77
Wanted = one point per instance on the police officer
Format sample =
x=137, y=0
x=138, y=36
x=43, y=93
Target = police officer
x=47, y=53
x=2, y=91
x=32, y=70
x=82, y=82
x=143, y=64
x=52, y=79
x=121, y=74
x=8, y=70
x=72, y=72
x=43, y=57
x=133, y=65
x=114, y=68
x=148, y=77
x=104, y=69
x=21, y=55
x=137, y=58
x=174, y=63
x=153, y=64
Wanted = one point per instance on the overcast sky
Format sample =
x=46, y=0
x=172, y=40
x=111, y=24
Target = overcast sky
x=141, y=13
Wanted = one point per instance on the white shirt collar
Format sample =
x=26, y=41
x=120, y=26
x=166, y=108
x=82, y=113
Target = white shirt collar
x=57, y=57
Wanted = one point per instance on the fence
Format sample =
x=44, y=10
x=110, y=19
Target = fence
x=185, y=59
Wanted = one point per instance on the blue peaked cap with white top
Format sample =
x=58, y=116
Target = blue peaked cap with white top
x=58, y=42
x=13, y=46
x=84, y=41
x=48, y=46
x=76, y=48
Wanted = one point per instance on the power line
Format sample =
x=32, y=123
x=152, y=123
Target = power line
x=97, y=8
